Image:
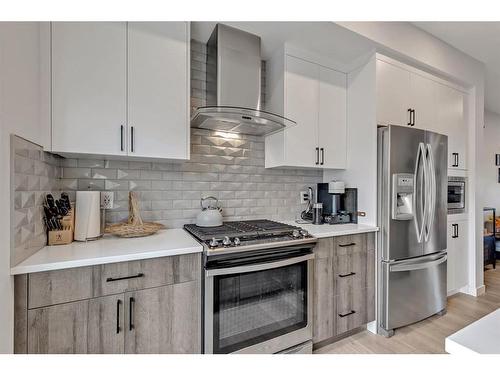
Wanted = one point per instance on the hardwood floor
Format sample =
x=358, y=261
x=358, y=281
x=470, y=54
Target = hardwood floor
x=428, y=335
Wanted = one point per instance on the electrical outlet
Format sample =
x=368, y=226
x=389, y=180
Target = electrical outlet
x=304, y=197
x=107, y=199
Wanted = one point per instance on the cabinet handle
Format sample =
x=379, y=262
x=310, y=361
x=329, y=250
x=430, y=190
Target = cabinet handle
x=322, y=156
x=347, y=314
x=409, y=117
x=317, y=155
x=110, y=279
x=348, y=274
x=121, y=138
x=347, y=244
x=455, y=231
x=413, y=120
x=132, y=139
x=455, y=159
x=456, y=228
x=130, y=313
x=118, y=304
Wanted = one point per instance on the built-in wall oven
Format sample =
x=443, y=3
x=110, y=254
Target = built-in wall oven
x=259, y=302
x=456, y=194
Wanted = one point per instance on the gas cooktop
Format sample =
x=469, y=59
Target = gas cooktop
x=236, y=236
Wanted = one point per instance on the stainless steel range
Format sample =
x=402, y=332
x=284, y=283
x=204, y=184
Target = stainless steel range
x=257, y=287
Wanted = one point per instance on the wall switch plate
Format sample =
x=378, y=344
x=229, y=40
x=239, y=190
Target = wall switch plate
x=107, y=199
x=304, y=197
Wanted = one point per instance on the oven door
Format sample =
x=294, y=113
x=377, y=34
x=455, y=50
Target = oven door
x=258, y=307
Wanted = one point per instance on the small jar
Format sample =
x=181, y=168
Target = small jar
x=318, y=213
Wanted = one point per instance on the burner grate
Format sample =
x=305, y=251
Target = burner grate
x=248, y=228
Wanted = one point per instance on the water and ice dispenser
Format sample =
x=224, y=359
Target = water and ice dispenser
x=402, y=199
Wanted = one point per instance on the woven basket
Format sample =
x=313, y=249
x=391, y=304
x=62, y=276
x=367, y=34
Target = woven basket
x=135, y=227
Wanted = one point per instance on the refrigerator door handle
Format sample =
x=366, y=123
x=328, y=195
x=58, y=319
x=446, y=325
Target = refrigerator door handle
x=419, y=227
x=417, y=266
x=430, y=199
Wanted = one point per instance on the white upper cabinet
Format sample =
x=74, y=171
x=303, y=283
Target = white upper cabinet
x=89, y=87
x=315, y=97
x=408, y=97
x=423, y=102
x=121, y=89
x=158, y=89
x=450, y=118
x=393, y=91
x=301, y=105
x=332, y=129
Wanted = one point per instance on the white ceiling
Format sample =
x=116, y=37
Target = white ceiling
x=480, y=40
x=325, y=38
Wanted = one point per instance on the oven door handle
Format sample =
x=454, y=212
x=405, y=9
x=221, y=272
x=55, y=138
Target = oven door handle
x=258, y=267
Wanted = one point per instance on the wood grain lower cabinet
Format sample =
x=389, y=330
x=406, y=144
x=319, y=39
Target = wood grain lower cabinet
x=59, y=329
x=135, y=318
x=106, y=325
x=344, y=285
x=164, y=320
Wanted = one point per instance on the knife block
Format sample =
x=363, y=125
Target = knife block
x=63, y=236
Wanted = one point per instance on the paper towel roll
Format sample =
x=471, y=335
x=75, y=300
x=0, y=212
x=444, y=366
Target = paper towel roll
x=87, y=215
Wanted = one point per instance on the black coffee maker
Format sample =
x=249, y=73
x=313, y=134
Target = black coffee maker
x=340, y=204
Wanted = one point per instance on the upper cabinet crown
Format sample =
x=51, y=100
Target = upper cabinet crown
x=407, y=97
x=315, y=97
x=121, y=88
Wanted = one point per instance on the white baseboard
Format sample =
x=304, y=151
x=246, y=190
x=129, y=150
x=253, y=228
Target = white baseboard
x=372, y=327
x=479, y=291
x=476, y=292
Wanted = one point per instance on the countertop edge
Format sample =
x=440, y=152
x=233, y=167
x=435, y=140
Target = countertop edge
x=20, y=270
x=345, y=233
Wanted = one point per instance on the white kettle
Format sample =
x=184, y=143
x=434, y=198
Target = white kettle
x=210, y=215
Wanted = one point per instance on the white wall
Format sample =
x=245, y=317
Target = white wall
x=23, y=111
x=491, y=146
x=412, y=45
x=361, y=171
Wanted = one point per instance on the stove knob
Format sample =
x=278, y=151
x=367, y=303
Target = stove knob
x=226, y=241
x=236, y=241
x=295, y=233
x=213, y=242
x=304, y=233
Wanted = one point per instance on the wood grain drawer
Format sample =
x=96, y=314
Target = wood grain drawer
x=344, y=245
x=61, y=286
x=122, y=277
x=324, y=248
x=353, y=308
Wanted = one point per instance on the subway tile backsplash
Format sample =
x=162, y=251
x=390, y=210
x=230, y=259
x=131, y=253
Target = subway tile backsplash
x=230, y=169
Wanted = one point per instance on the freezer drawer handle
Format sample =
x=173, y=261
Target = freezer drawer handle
x=348, y=274
x=348, y=244
x=109, y=279
x=347, y=314
x=417, y=266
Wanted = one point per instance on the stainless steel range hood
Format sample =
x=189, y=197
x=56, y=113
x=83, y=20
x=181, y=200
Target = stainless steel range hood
x=234, y=86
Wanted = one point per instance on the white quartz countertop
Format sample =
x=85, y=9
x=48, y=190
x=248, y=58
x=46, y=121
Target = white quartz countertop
x=109, y=249
x=327, y=230
x=480, y=337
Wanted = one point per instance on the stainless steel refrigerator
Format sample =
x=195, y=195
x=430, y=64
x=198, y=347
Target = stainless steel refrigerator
x=412, y=188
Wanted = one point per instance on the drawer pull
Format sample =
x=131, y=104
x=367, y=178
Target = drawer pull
x=348, y=274
x=347, y=314
x=130, y=313
x=109, y=279
x=348, y=244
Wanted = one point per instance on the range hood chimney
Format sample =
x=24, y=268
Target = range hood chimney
x=234, y=86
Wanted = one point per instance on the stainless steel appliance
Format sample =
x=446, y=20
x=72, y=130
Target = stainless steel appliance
x=257, y=286
x=412, y=182
x=234, y=86
x=456, y=195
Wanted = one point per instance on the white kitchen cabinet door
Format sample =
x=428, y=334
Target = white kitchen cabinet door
x=89, y=87
x=457, y=255
x=450, y=119
x=332, y=122
x=423, y=101
x=393, y=95
x=302, y=106
x=158, y=89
